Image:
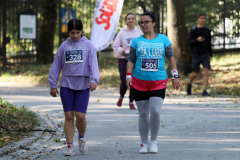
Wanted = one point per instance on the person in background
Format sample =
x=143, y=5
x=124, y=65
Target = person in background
x=77, y=58
x=121, y=47
x=199, y=39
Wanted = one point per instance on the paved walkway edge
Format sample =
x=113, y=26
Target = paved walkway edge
x=38, y=132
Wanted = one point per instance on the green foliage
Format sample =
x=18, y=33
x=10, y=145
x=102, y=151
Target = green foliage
x=233, y=59
x=14, y=122
x=57, y=140
x=214, y=11
x=85, y=11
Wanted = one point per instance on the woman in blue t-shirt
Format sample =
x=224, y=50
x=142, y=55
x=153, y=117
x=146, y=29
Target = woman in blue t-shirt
x=147, y=76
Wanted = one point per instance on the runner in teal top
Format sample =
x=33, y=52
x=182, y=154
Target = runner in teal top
x=147, y=76
x=150, y=54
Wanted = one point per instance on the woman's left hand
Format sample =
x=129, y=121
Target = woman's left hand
x=93, y=86
x=176, y=83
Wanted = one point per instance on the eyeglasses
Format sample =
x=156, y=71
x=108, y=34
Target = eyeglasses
x=145, y=23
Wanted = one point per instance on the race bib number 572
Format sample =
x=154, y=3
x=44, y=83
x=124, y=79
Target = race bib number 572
x=72, y=56
x=149, y=64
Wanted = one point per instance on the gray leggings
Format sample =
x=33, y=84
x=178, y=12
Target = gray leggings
x=154, y=105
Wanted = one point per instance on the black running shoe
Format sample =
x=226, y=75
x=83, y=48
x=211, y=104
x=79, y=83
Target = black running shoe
x=204, y=93
x=189, y=86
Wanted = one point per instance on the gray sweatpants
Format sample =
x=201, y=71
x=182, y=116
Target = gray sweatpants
x=153, y=105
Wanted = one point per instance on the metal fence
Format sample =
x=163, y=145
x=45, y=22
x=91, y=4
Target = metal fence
x=222, y=17
x=9, y=25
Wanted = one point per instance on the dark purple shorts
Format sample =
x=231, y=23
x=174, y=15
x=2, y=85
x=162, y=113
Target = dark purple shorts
x=74, y=100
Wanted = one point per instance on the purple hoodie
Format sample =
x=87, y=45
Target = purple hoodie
x=76, y=75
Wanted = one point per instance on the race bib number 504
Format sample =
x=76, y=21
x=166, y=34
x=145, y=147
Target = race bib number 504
x=149, y=64
x=72, y=56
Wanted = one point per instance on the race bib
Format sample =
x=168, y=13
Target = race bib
x=129, y=41
x=72, y=56
x=149, y=64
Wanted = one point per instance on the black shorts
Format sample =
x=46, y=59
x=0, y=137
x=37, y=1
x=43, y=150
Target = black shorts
x=197, y=60
x=145, y=95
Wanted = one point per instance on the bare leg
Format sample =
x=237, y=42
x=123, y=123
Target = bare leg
x=205, y=78
x=192, y=77
x=69, y=126
x=81, y=123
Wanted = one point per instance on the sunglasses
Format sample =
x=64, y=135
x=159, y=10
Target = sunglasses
x=145, y=22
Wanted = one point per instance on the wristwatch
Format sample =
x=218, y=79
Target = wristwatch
x=175, y=76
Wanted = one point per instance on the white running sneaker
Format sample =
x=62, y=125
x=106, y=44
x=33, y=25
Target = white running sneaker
x=144, y=149
x=82, y=145
x=70, y=151
x=153, y=147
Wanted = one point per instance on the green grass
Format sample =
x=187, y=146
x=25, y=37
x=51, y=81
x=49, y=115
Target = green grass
x=6, y=77
x=225, y=60
x=15, y=123
x=224, y=76
x=109, y=74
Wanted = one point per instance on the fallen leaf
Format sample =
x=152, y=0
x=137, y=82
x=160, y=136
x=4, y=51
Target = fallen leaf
x=46, y=146
x=235, y=101
x=230, y=106
x=217, y=121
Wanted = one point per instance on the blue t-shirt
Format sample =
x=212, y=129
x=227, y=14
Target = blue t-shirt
x=150, y=53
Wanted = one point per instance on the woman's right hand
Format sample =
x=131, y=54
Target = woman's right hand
x=129, y=82
x=54, y=92
x=123, y=52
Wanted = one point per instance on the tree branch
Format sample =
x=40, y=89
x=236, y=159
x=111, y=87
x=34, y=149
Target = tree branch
x=141, y=4
x=5, y=128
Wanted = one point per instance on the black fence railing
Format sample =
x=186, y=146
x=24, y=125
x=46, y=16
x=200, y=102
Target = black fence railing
x=13, y=8
x=223, y=18
x=10, y=44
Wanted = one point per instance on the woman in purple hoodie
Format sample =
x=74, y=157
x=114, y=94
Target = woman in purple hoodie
x=77, y=58
x=121, y=47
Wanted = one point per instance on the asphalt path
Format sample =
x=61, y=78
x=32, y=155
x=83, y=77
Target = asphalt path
x=192, y=127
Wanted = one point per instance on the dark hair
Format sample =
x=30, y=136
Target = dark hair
x=75, y=24
x=150, y=14
x=200, y=14
x=128, y=15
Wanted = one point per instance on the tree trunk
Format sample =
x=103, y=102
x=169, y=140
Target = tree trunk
x=156, y=11
x=47, y=30
x=177, y=33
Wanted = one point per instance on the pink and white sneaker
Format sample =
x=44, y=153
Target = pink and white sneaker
x=153, y=147
x=144, y=149
x=82, y=145
x=70, y=151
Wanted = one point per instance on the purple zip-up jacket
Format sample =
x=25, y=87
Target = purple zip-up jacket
x=77, y=75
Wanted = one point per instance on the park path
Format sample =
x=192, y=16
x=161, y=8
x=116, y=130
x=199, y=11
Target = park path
x=192, y=127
